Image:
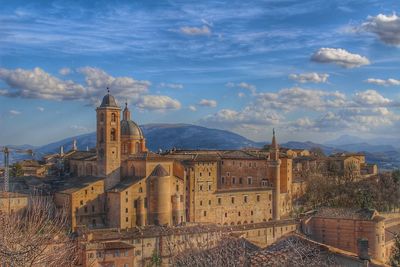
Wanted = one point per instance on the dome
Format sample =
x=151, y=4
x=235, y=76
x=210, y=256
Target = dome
x=109, y=101
x=130, y=128
x=159, y=171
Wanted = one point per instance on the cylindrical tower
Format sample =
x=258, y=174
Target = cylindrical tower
x=162, y=208
x=140, y=212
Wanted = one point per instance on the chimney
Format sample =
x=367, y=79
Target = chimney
x=363, y=249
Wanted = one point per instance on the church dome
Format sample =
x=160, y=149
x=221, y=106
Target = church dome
x=109, y=101
x=130, y=128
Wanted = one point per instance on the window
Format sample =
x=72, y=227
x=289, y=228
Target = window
x=209, y=187
x=113, y=117
x=240, y=180
x=126, y=200
x=140, y=190
x=258, y=198
x=101, y=117
x=113, y=135
x=201, y=202
x=239, y=213
x=177, y=187
x=126, y=210
x=209, y=202
x=226, y=214
x=245, y=199
x=201, y=188
x=222, y=180
x=233, y=180
x=126, y=219
x=85, y=192
x=205, y=213
x=85, y=209
x=251, y=213
x=101, y=137
x=233, y=200
x=116, y=253
x=249, y=180
x=219, y=201
x=81, y=202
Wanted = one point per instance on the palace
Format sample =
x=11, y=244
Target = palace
x=122, y=184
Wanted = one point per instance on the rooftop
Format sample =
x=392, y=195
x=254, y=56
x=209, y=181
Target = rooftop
x=345, y=213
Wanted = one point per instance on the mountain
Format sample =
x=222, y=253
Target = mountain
x=187, y=136
x=165, y=136
x=345, y=140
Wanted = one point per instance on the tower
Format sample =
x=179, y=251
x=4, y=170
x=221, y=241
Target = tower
x=108, y=140
x=275, y=165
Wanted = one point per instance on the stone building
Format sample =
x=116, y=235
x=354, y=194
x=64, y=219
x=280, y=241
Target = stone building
x=344, y=228
x=11, y=202
x=145, y=188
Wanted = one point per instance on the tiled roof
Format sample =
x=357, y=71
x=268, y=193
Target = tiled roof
x=82, y=155
x=74, y=184
x=345, y=213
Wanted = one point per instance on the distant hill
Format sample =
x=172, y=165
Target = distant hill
x=187, y=136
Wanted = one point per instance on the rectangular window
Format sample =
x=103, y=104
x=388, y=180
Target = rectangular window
x=245, y=199
x=233, y=200
x=126, y=210
x=219, y=201
x=205, y=213
x=258, y=198
x=233, y=180
x=249, y=180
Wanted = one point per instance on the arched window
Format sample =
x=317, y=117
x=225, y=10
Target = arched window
x=101, y=138
x=133, y=170
x=113, y=135
x=113, y=117
x=137, y=147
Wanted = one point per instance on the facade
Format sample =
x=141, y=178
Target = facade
x=13, y=202
x=344, y=228
x=230, y=187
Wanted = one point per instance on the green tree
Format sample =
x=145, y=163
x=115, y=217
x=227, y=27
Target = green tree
x=16, y=170
x=395, y=258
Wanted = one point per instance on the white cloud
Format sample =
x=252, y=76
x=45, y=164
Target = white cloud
x=171, y=85
x=157, y=102
x=299, y=98
x=192, y=108
x=242, y=85
x=312, y=77
x=204, y=30
x=41, y=109
x=79, y=128
x=65, y=71
x=208, y=103
x=388, y=82
x=37, y=83
x=339, y=57
x=386, y=27
x=241, y=95
x=371, y=98
x=14, y=112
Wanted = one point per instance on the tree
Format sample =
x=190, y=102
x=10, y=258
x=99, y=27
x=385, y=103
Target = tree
x=16, y=170
x=317, y=151
x=395, y=258
x=39, y=236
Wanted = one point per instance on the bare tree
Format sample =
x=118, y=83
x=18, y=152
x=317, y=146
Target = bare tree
x=39, y=236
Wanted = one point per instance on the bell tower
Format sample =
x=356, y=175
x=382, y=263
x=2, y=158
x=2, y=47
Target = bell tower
x=275, y=166
x=108, y=141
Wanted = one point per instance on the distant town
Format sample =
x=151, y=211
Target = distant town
x=121, y=204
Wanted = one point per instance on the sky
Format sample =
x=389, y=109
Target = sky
x=311, y=69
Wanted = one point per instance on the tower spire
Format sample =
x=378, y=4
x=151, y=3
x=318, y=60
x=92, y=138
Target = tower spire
x=274, y=144
x=126, y=113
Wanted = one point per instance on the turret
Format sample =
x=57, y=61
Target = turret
x=275, y=165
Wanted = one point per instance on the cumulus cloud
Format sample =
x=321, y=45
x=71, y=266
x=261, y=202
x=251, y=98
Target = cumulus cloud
x=65, y=71
x=204, y=30
x=171, y=85
x=299, y=98
x=37, y=83
x=250, y=116
x=339, y=57
x=157, y=102
x=192, y=108
x=208, y=103
x=386, y=27
x=371, y=98
x=388, y=82
x=312, y=77
x=41, y=109
x=14, y=112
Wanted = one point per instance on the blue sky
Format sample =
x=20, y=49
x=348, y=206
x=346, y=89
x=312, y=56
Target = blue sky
x=312, y=69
